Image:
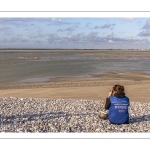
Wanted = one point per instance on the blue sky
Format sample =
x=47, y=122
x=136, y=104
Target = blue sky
x=84, y=32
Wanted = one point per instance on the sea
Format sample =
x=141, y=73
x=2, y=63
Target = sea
x=33, y=66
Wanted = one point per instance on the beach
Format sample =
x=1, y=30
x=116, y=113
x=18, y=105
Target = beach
x=72, y=106
x=31, y=101
x=137, y=87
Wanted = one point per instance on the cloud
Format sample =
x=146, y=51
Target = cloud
x=15, y=39
x=94, y=38
x=90, y=40
x=73, y=38
x=91, y=36
x=53, y=38
x=110, y=35
x=146, y=30
x=110, y=41
x=34, y=36
x=147, y=25
x=17, y=22
x=88, y=24
x=69, y=29
x=127, y=19
x=38, y=42
x=61, y=22
x=60, y=30
x=65, y=40
x=6, y=30
x=106, y=26
x=24, y=22
x=37, y=34
x=145, y=33
x=96, y=27
x=129, y=37
x=58, y=22
x=76, y=24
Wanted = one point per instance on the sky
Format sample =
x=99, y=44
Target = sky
x=75, y=32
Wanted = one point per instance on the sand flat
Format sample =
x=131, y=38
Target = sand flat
x=137, y=87
x=92, y=89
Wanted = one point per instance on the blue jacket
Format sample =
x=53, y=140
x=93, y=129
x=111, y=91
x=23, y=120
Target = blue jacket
x=118, y=110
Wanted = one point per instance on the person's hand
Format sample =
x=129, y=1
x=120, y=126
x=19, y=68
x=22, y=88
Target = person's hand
x=110, y=93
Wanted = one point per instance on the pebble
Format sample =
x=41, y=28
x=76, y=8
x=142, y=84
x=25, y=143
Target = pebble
x=66, y=115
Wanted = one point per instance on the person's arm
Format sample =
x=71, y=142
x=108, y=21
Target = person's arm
x=107, y=104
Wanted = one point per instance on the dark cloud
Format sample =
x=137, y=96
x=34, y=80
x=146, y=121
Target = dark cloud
x=96, y=27
x=53, y=38
x=147, y=25
x=69, y=29
x=145, y=33
x=106, y=26
x=93, y=38
x=60, y=30
x=146, y=30
x=112, y=28
x=88, y=24
x=110, y=35
x=76, y=25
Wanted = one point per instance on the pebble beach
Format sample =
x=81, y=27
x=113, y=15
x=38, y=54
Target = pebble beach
x=66, y=115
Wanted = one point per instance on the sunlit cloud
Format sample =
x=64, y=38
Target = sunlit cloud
x=127, y=19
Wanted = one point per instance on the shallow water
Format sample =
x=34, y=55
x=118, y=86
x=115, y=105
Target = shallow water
x=40, y=66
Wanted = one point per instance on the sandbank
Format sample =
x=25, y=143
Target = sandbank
x=137, y=87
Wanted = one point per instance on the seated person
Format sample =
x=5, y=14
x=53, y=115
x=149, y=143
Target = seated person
x=117, y=105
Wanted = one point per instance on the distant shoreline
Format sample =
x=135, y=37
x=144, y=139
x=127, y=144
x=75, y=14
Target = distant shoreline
x=70, y=50
x=66, y=49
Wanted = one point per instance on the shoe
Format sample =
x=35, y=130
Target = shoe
x=103, y=116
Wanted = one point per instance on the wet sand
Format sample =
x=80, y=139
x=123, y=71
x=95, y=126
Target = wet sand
x=137, y=87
